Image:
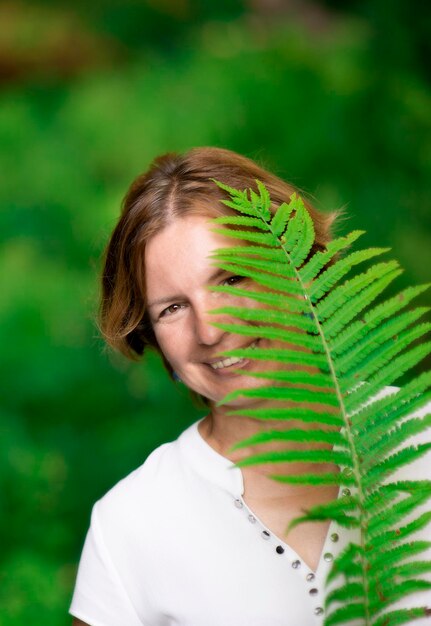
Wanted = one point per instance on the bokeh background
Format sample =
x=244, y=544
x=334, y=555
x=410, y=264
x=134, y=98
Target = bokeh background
x=332, y=95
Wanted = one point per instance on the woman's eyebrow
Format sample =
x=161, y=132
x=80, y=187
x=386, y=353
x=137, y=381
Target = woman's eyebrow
x=213, y=277
x=164, y=300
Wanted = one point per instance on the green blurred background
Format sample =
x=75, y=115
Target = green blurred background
x=332, y=95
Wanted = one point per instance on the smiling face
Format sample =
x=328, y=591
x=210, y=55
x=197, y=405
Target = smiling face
x=178, y=272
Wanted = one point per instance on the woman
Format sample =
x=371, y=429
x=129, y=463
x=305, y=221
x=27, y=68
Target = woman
x=188, y=538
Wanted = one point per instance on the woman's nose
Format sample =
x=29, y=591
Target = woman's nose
x=205, y=331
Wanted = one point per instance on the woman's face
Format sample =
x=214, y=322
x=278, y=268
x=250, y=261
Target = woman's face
x=178, y=274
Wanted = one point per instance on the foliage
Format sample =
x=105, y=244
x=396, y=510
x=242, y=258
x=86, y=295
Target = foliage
x=340, y=107
x=345, y=349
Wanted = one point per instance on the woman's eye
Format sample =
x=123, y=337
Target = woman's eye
x=170, y=310
x=233, y=280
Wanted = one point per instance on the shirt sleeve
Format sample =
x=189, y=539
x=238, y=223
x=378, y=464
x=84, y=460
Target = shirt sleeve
x=100, y=598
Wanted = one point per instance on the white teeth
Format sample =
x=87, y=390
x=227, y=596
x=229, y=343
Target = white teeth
x=226, y=362
x=231, y=360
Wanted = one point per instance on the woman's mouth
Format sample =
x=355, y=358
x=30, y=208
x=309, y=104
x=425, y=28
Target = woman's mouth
x=230, y=361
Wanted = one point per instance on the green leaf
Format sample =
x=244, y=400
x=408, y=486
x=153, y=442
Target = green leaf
x=300, y=414
x=278, y=355
x=410, y=398
x=378, y=336
x=322, y=478
x=345, y=614
x=298, y=339
x=269, y=266
x=264, y=201
x=401, y=616
x=321, y=258
x=266, y=239
x=236, y=220
x=348, y=592
x=392, y=515
x=398, y=534
x=372, y=318
x=378, y=470
x=297, y=456
x=412, y=568
x=351, y=288
x=334, y=510
x=280, y=218
x=292, y=305
x=332, y=437
x=388, y=556
x=316, y=380
x=347, y=563
x=300, y=251
x=269, y=316
x=277, y=255
x=379, y=441
x=388, y=419
x=357, y=301
x=283, y=394
x=335, y=273
x=277, y=283
x=402, y=589
x=388, y=367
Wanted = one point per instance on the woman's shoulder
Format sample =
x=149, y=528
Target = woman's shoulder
x=159, y=474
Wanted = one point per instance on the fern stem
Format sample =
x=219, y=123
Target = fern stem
x=348, y=429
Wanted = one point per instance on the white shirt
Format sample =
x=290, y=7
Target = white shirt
x=174, y=544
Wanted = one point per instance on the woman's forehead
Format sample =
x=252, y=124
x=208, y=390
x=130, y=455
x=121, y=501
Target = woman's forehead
x=181, y=251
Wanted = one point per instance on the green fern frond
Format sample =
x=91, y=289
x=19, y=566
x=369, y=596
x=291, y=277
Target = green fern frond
x=377, y=336
x=414, y=568
x=346, y=593
x=298, y=456
x=292, y=434
x=389, y=441
x=400, y=533
x=250, y=251
x=402, y=616
x=281, y=217
x=372, y=318
x=390, y=556
x=300, y=340
x=349, y=612
x=330, y=277
x=389, y=594
x=270, y=266
x=292, y=305
x=313, y=266
x=323, y=478
x=279, y=356
x=405, y=400
x=392, y=515
x=284, y=394
x=269, y=316
x=304, y=378
x=253, y=222
x=264, y=239
x=381, y=371
x=347, y=564
x=378, y=470
x=292, y=414
x=333, y=510
x=334, y=344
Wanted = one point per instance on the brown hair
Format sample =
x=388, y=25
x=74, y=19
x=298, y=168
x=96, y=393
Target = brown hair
x=174, y=186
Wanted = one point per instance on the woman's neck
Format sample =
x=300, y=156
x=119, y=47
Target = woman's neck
x=222, y=432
